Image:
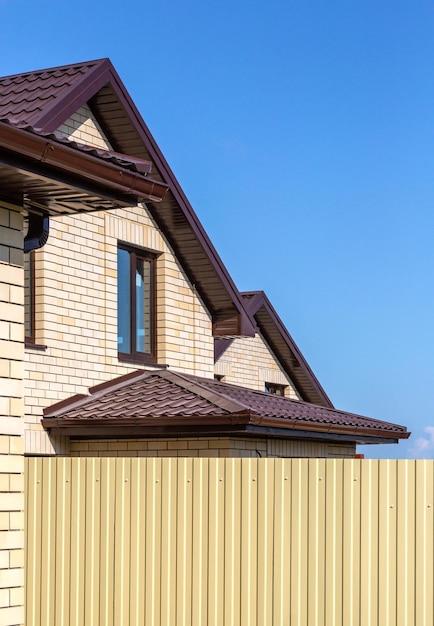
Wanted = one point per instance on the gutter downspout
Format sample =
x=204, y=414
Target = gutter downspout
x=38, y=231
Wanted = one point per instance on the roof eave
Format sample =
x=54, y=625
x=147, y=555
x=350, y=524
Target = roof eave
x=213, y=283
x=76, y=168
x=327, y=428
x=213, y=426
x=244, y=420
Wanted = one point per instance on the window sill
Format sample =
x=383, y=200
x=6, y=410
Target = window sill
x=34, y=346
x=140, y=359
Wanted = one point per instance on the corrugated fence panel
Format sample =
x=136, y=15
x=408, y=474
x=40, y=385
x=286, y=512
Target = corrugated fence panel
x=229, y=542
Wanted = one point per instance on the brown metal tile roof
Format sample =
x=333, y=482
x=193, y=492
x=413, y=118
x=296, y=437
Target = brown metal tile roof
x=26, y=97
x=46, y=99
x=150, y=400
x=141, y=166
x=44, y=173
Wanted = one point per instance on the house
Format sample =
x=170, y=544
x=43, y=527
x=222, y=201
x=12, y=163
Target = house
x=137, y=341
x=120, y=291
x=40, y=178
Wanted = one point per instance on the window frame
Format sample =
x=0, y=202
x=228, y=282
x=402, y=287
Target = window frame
x=149, y=256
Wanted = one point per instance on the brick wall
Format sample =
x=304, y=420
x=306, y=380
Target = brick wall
x=11, y=417
x=250, y=363
x=224, y=447
x=76, y=306
x=76, y=310
x=82, y=127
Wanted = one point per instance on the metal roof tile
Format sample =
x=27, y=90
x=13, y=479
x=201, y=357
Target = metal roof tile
x=169, y=394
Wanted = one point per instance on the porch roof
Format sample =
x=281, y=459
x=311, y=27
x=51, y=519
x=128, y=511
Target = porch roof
x=166, y=403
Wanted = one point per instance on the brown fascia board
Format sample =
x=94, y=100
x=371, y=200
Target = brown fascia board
x=356, y=431
x=258, y=300
x=83, y=90
x=84, y=167
x=178, y=425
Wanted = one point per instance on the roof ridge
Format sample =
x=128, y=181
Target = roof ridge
x=219, y=399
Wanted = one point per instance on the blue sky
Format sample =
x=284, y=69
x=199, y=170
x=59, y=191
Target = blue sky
x=303, y=134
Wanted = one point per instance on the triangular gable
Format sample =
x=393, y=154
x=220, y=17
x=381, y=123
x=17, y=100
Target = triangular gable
x=83, y=127
x=282, y=346
x=48, y=98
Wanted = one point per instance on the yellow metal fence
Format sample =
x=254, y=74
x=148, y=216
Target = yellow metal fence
x=209, y=542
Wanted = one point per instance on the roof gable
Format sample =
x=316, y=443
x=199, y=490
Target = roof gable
x=47, y=98
x=282, y=346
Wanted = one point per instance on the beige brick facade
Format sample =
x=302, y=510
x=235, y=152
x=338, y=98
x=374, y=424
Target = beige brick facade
x=82, y=127
x=249, y=362
x=223, y=447
x=76, y=305
x=75, y=339
x=76, y=312
x=11, y=416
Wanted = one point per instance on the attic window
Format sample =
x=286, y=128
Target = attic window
x=275, y=389
x=136, y=305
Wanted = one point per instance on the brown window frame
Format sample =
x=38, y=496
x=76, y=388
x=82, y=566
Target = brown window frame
x=135, y=356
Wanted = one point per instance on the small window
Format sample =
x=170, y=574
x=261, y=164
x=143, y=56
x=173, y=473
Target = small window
x=136, y=305
x=219, y=377
x=274, y=389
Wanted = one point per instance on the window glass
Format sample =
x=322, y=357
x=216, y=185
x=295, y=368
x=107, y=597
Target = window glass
x=135, y=304
x=124, y=301
x=143, y=305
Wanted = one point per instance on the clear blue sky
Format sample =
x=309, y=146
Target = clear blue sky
x=303, y=134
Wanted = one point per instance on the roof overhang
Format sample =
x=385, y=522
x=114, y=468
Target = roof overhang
x=215, y=426
x=137, y=404
x=45, y=175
